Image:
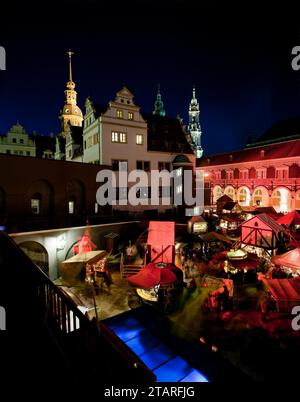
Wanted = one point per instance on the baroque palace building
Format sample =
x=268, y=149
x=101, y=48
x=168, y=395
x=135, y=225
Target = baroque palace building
x=120, y=132
x=265, y=173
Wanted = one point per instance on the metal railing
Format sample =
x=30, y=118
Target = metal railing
x=81, y=340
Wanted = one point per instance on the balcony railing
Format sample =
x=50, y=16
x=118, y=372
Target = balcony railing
x=81, y=342
x=292, y=183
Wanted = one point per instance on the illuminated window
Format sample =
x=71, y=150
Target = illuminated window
x=130, y=116
x=282, y=173
x=120, y=114
x=123, y=138
x=114, y=136
x=71, y=207
x=139, y=139
x=35, y=205
x=95, y=139
x=261, y=173
x=118, y=137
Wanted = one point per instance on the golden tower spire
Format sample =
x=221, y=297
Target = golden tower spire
x=70, y=53
x=71, y=113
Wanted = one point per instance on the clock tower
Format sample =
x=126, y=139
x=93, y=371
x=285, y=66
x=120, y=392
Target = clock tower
x=71, y=113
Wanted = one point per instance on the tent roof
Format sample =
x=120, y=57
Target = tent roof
x=161, y=233
x=291, y=259
x=214, y=236
x=284, y=289
x=292, y=217
x=152, y=275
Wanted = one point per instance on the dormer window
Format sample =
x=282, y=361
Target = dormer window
x=130, y=116
x=262, y=153
x=231, y=158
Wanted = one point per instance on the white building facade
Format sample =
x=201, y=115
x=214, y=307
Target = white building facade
x=17, y=142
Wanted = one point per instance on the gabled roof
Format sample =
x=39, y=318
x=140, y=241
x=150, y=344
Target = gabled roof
x=224, y=198
x=166, y=134
x=230, y=205
x=265, y=218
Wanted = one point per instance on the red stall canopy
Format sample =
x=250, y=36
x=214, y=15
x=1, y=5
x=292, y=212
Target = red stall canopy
x=292, y=218
x=284, y=289
x=291, y=259
x=161, y=238
x=152, y=275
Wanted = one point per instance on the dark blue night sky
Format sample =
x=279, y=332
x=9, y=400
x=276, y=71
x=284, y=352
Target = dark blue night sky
x=239, y=58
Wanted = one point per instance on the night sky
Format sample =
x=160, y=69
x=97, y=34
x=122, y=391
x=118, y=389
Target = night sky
x=239, y=58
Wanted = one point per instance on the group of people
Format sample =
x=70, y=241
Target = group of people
x=98, y=274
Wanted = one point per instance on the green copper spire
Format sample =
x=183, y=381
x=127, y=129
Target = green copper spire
x=159, y=105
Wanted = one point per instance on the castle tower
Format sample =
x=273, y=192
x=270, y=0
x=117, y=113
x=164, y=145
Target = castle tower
x=194, y=126
x=159, y=105
x=71, y=113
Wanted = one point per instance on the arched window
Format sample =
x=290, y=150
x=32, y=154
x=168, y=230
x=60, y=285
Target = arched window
x=258, y=197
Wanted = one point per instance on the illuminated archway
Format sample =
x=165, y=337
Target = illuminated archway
x=37, y=253
x=229, y=190
x=281, y=199
x=217, y=193
x=260, y=197
x=243, y=196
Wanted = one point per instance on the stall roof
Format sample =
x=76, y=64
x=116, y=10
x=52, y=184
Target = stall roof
x=266, y=219
x=195, y=219
x=284, y=289
x=292, y=218
x=86, y=257
x=215, y=237
x=291, y=259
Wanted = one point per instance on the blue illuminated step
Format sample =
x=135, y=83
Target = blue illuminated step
x=143, y=343
x=173, y=371
x=157, y=356
x=127, y=332
x=116, y=322
x=194, y=376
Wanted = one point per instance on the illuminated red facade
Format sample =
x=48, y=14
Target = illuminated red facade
x=262, y=175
